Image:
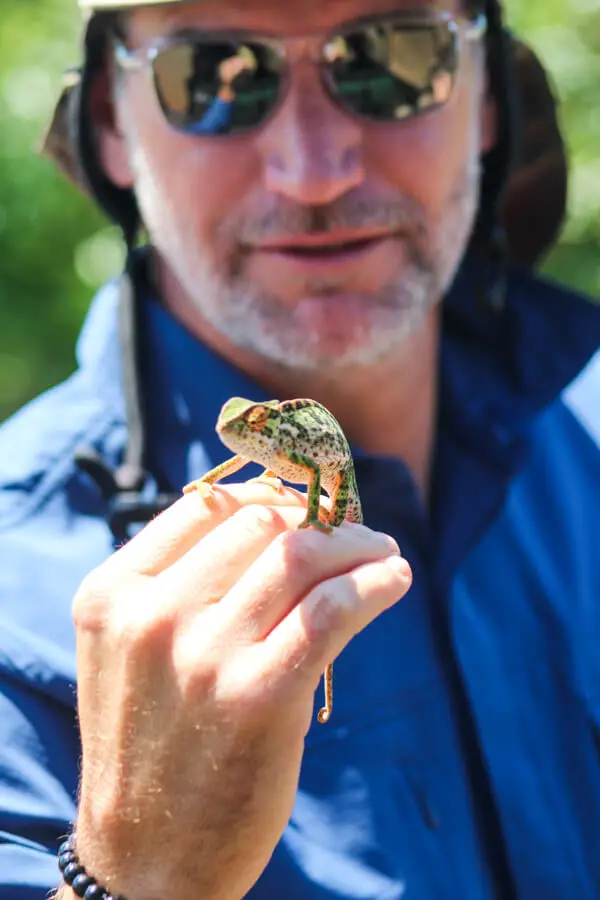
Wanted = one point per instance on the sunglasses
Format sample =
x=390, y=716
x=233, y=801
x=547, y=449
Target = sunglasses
x=384, y=69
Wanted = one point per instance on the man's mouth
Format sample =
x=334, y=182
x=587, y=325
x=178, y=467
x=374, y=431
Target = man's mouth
x=325, y=249
x=330, y=249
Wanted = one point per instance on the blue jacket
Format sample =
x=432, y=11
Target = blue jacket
x=463, y=756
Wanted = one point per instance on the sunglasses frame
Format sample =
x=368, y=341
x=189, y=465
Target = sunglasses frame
x=143, y=58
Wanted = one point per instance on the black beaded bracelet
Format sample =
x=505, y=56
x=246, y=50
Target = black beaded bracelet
x=75, y=875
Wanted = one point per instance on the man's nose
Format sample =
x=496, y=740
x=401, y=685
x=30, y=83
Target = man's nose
x=311, y=150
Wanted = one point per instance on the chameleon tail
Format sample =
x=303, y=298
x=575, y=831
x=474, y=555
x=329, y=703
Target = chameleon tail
x=325, y=712
x=344, y=505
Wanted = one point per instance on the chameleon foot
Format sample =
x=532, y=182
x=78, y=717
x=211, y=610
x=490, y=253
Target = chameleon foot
x=318, y=524
x=325, y=713
x=203, y=487
x=271, y=479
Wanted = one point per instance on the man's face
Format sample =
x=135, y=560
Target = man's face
x=385, y=207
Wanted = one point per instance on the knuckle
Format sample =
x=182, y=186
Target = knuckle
x=255, y=519
x=138, y=620
x=297, y=549
x=140, y=629
x=210, y=671
x=92, y=600
x=331, y=606
x=196, y=666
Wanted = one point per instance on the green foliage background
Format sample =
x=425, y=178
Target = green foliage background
x=55, y=249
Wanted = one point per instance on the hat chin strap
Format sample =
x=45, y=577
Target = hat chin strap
x=123, y=488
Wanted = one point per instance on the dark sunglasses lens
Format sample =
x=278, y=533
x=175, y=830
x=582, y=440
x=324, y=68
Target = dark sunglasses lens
x=217, y=87
x=391, y=71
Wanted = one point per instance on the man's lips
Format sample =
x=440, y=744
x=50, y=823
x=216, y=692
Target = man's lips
x=325, y=250
x=322, y=242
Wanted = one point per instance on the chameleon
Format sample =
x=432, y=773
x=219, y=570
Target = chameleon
x=298, y=441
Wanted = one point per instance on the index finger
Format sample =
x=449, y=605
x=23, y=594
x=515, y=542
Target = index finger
x=173, y=532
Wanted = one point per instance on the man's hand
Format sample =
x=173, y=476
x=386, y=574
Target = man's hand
x=200, y=645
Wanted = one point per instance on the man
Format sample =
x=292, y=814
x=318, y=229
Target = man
x=339, y=244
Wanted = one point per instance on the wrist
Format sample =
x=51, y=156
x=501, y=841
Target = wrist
x=78, y=881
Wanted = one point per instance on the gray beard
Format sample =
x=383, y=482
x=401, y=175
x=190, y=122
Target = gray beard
x=257, y=322
x=251, y=319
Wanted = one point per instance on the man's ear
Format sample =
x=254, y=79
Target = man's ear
x=488, y=119
x=110, y=141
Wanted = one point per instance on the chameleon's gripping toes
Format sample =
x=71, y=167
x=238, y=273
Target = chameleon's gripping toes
x=298, y=441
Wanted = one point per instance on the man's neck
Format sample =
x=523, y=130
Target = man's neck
x=387, y=409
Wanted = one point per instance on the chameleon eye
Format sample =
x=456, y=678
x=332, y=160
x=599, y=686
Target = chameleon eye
x=257, y=418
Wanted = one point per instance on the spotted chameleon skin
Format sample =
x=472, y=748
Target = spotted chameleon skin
x=297, y=440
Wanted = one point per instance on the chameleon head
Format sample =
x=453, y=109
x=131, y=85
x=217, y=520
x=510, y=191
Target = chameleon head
x=243, y=424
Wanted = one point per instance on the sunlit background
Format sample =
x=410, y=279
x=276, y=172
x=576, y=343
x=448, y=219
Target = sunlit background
x=55, y=249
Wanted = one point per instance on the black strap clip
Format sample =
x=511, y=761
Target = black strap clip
x=121, y=491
